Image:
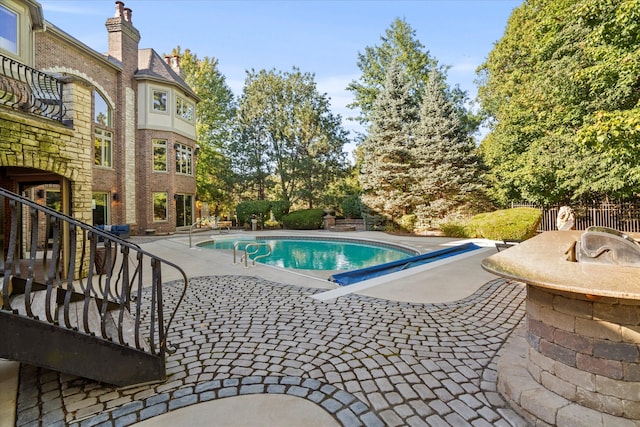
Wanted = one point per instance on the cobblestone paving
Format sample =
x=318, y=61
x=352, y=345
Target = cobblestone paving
x=366, y=361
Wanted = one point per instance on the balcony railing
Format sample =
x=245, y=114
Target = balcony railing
x=26, y=89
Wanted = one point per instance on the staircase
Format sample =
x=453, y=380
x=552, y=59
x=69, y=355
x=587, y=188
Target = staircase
x=76, y=304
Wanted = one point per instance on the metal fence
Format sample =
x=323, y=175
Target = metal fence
x=624, y=216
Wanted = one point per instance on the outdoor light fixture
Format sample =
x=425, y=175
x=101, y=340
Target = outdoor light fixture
x=115, y=197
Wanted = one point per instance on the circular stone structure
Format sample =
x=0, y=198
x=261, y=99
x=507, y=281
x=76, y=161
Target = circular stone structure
x=582, y=334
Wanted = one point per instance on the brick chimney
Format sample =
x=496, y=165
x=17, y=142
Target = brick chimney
x=123, y=37
x=174, y=63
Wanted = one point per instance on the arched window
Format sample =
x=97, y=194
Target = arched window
x=103, y=134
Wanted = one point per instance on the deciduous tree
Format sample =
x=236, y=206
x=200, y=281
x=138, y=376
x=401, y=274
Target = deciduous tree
x=562, y=87
x=286, y=135
x=213, y=123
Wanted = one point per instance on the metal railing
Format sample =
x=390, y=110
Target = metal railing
x=622, y=216
x=79, y=263
x=26, y=89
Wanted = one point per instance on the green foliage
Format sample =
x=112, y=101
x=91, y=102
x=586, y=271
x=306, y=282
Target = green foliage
x=280, y=208
x=452, y=229
x=562, y=88
x=214, y=113
x=258, y=209
x=407, y=223
x=307, y=219
x=374, y=222
x=507, y=224
x=286, y=139
x=352, y=206
x=446, y=172
x=385, y=172
x=399, y=44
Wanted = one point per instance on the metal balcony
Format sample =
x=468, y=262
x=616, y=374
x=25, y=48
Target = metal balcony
x=26, y=89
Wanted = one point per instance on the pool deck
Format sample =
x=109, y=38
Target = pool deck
x=257, y=346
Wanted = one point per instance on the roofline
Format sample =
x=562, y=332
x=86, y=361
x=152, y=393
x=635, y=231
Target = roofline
x=37, y=17
x=184, y=87
x=83, y=47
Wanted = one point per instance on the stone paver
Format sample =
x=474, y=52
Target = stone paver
x=366, y=361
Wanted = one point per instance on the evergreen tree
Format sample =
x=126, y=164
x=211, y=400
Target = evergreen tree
x=385, y=173
x=400, y=44
x=446, y=172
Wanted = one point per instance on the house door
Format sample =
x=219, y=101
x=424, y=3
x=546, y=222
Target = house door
x=184, y=210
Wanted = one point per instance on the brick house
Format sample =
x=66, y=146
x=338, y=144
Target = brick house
x=106, y=138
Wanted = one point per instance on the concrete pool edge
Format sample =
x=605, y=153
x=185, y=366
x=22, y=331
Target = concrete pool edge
x=371, y=283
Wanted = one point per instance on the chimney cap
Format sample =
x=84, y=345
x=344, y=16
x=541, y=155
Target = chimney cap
x=119, y=9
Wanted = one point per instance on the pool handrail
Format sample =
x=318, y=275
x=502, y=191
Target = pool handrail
x=245, y=256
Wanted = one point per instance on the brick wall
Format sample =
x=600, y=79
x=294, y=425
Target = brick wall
x=586, y=349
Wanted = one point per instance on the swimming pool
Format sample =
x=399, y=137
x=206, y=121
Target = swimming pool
x=319, y=254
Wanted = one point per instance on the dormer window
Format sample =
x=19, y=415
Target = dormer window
x=8, y=30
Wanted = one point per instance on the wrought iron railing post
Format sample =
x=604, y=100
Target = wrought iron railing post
x=115, y=293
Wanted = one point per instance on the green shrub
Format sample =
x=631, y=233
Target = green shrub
x=506, y=224
x=351, y=206
x=455, y=230
x=407, y=223
x=308, y=219
x=252, y=208
x=261, y=209
x=280, y=208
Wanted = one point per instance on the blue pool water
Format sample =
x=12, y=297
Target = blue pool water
x=319, y=254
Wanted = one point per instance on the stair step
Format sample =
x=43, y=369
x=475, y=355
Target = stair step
x=38, y=304
x=76, y=311
x=128, y=329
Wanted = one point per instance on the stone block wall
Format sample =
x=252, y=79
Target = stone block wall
x=586, y=349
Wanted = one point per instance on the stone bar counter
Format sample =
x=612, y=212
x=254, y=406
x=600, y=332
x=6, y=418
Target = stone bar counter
x=580, y=364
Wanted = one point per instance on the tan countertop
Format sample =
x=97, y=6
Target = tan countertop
x=541, y=261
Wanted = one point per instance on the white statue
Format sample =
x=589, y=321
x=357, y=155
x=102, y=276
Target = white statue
x=566, y=219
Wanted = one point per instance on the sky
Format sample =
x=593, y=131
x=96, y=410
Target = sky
x=322, y=37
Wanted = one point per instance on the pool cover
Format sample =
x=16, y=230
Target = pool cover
x=354, y=276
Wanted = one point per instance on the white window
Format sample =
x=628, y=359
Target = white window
x=184, y=159
x=159, y=100
x=100, y=205
x=102, y=148
x=159, y=207
x=102, y=135
x=159, y=155
x=8, y=30
x=102, y=111
x=184, y=109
